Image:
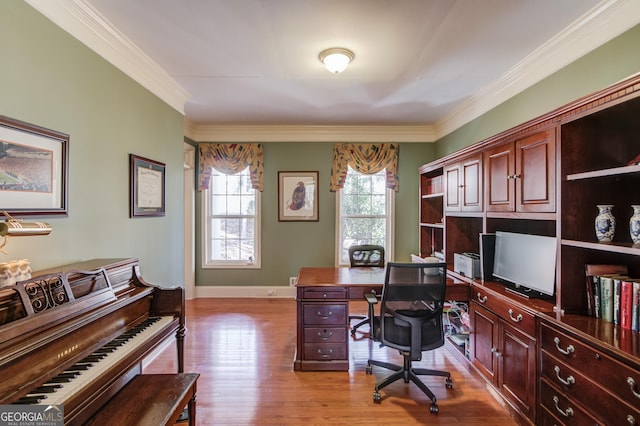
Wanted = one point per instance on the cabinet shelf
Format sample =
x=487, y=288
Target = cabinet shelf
x=434, y=195
x=615, y=171
x=432, y=225
x=622, y=248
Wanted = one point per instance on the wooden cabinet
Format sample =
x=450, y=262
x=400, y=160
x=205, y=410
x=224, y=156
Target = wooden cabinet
x=463, y=184
x=583, y=379
x=546, y=177
x=322, y=329
x=520, y=176
x=502, y=351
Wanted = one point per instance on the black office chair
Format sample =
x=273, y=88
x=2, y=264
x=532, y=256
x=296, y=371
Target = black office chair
x=410, y=320
x=360, y=256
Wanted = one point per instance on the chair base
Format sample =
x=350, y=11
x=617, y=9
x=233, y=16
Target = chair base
x=365, y=321
x=408, y=374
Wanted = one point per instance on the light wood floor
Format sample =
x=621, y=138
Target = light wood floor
x=244, y=351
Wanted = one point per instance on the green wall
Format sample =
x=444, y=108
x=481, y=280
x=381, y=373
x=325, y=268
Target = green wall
x=287, y=246
x=50, y=79
x=612, y=62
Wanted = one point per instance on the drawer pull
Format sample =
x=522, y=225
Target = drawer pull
x=517, y=318
x=325, y=316
x=569, y=349
x=632, y=385
x=631, y=420
x=327, y=355
x=324, y=335
x=567, y=413
x=568, y=381
x=481, y=299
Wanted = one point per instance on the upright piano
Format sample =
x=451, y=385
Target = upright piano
x=77, y=334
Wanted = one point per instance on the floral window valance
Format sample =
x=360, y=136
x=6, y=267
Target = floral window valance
x=230, y=159
x=365, y=158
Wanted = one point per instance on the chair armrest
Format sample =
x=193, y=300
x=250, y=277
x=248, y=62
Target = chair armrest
x=371, y=298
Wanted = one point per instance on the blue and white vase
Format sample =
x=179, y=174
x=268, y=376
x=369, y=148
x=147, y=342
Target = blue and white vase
x=605, y=223
x=634, y=224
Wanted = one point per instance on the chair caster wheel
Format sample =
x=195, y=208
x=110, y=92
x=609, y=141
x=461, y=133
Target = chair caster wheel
x=369, y=369
x=377, y=398
x=433, y=408
x=353, y=331
x=448, y=383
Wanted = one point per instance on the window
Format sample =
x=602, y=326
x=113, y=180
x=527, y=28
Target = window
x=231, y=219
x=365, y=213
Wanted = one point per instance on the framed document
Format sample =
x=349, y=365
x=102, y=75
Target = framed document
x=147, y=187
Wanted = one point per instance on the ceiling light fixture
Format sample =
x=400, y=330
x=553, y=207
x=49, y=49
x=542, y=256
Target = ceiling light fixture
x=336, y=59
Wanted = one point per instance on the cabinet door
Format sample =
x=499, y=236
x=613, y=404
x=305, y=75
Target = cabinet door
x=464, y=185
x=499, y=166
x=484, y=341
x=536, y=172
x=453, y=180
x=471, y=197
x=517, y=368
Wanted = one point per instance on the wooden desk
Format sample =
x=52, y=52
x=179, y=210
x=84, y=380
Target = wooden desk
x=323, y=296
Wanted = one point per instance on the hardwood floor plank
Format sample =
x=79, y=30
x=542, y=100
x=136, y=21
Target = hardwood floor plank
x=244, y=351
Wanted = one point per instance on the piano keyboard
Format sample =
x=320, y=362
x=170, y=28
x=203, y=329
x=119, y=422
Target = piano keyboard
x=69, y=382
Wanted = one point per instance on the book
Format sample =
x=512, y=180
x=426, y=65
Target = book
x=593, y=286
x=617, y=284
x=626, y=303
x=606, y=296
x=635, y=307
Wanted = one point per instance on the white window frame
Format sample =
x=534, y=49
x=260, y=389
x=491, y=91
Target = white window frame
x=390, y=224
x=206, y=237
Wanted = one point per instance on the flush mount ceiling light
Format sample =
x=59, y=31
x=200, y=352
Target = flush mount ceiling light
x=336, y=59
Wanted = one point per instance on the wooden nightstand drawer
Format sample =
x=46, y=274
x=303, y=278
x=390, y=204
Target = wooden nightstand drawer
x=325, y=351
x=611, y=374
x=511, y=313
x=324, y=293
x=323, y=314
x=325, y=335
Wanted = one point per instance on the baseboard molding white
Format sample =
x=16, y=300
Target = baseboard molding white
x=276, y=292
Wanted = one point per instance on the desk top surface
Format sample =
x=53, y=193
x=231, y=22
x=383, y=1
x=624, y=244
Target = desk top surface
x=345, y=276
x=341, y=276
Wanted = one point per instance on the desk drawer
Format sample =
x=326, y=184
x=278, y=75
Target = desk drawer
x=325, y=335
x=324, y=293
x=325, y=314
x=562, y=407
x=325, y=351
x=510, y=312
x=616, y=377
x=579, y=388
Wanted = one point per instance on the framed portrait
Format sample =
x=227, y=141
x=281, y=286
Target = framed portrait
x=34, y=165
x=297, y=196
x=147, y=193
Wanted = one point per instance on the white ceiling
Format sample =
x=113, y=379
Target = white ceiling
x=417, y=62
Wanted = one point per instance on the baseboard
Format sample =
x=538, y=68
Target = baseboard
x=282, y=292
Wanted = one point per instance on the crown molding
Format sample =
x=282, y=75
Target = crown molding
x=84, y=23
x=308, y=133
x=607, y=20
x=604, y=22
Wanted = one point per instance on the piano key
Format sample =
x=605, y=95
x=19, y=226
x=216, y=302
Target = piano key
x=74, y=385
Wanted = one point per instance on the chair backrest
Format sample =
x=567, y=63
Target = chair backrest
x=366, y=255
x=411, y=307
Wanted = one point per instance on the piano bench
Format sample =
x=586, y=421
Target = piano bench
x=151, y=399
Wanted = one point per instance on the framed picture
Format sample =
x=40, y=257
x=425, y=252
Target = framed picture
x=33, y=169
x=147, y=187
x=297, y=196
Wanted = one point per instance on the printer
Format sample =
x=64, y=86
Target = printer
x=467, y=264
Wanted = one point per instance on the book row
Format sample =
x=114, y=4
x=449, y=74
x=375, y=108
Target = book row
x=613, y=296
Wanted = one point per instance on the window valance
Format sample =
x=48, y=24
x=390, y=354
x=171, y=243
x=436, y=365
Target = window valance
x=365, y=158
x=230, y=159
